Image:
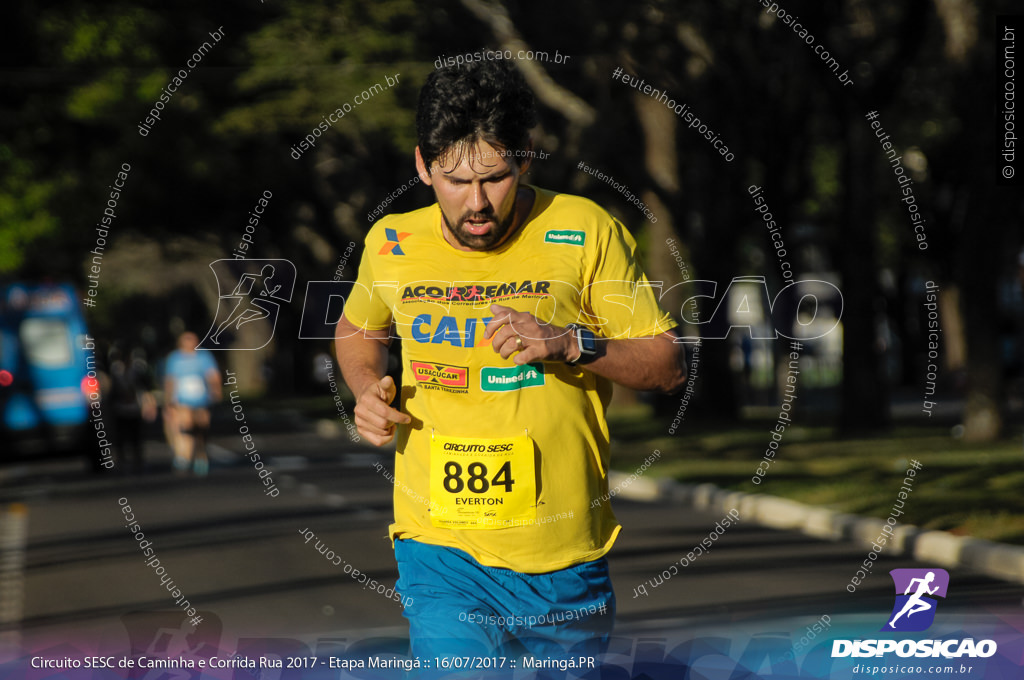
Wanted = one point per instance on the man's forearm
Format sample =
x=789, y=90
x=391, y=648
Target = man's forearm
x=362, y=356
x=655, y=363
x=651, y=363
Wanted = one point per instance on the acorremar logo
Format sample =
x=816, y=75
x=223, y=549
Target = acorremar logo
x=914, y=612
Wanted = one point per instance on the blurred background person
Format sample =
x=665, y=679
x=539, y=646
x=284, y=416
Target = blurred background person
x=132, y=401
x=191, y=384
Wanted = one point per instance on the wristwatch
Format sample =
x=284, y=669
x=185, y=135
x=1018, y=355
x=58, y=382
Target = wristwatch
x=586, y=341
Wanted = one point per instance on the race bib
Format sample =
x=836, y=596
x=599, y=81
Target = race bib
x=482, y=483
x=191, y=388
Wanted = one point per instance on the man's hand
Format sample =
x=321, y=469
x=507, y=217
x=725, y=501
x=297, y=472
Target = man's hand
x=375, y=419
x=520, y=332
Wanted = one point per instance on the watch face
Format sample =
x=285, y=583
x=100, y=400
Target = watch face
x=588, y=341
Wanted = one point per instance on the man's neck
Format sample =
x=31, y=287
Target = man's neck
x=525, y=197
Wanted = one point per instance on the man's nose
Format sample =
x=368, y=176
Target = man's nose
x=477, y=198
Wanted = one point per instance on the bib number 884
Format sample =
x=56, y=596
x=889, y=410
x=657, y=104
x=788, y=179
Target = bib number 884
x=477, y=481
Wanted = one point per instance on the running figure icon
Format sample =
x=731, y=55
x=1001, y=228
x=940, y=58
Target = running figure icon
x=250, y=296
x=916, y=591
x=250, y=308
x=915, y=604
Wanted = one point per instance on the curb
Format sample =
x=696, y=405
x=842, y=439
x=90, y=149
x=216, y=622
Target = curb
x=996, y=560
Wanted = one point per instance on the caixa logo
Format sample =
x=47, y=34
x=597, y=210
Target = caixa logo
x=914, y=611
x=253, y=290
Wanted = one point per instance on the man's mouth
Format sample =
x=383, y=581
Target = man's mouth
x=478, y=226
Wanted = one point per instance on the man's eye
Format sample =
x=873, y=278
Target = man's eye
x=491, y=180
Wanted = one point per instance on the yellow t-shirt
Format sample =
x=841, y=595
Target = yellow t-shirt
x=526, y=507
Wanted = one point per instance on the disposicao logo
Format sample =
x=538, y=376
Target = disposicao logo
x=570, y=236
x=914, y=611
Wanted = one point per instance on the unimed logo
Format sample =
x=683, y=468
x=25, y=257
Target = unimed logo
x=493, y=379
x=576, y=238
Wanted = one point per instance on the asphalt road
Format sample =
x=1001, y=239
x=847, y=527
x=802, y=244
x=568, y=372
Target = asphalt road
x=241, y=559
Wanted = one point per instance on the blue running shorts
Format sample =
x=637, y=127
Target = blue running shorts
x=458, y=607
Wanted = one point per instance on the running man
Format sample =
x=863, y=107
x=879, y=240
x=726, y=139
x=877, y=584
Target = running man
x=191, y=385
x=915, y=604
x=517, y=307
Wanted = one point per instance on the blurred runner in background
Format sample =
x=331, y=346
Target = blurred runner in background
x=192, y=382
x=132, y=400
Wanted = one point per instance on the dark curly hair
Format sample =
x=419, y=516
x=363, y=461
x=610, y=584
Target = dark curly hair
x=482, y=100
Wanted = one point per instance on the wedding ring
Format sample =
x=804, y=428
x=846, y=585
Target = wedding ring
x=519, y=342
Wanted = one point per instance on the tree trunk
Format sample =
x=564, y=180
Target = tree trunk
x=982, y=413
x=864, y=401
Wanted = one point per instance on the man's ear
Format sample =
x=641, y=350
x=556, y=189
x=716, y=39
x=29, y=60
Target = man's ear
x=421, y=168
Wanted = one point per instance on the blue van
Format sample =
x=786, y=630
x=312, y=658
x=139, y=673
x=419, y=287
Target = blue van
x=47, y=370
